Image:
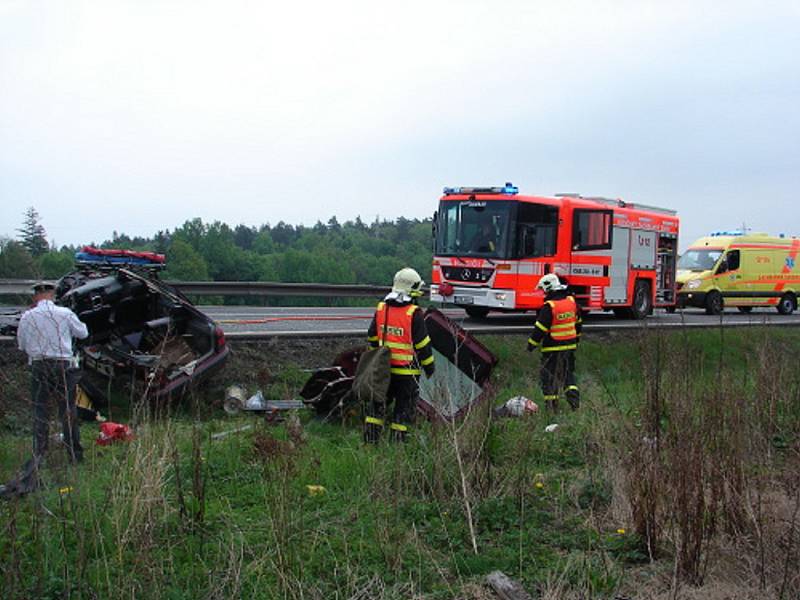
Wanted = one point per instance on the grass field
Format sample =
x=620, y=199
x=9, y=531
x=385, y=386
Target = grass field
x=679, y=477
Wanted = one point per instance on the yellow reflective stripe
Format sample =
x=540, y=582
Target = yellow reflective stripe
x=551, y=397
x=572, y=387
x=400, y=371
x=563, y=326
x=398, y=427
x=373, y=421
x=563, y=335
x=399, y=345
x=411, y=309
x=542, y=327
x=423, y=343
x=381, y=305
x=372, y=338
x=559, y=348
x=427, y=361
x=532, y=342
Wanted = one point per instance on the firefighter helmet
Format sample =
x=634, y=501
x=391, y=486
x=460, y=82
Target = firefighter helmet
x=407, y=282
x=550, y=283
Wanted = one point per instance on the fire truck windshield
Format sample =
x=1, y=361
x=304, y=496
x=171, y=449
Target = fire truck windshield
x=699, y=259
x=473, y=228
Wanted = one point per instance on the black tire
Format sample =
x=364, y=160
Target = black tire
x=642, y=300
x=476, y=312
x=671, y=309
x=787, y=304
x=714, y=303
x=745, y=309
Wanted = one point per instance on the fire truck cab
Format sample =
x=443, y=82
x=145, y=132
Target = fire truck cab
x=492, y=245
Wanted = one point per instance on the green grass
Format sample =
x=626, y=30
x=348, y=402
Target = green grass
x=175, y=514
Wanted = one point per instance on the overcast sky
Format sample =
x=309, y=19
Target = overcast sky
x=136, y=116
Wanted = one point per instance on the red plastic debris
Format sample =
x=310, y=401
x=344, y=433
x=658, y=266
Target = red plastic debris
x=113, y=432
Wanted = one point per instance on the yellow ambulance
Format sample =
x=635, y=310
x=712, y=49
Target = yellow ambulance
x=730, y=268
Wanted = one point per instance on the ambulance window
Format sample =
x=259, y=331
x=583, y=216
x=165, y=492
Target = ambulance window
x=730, y=262
x=592, y=229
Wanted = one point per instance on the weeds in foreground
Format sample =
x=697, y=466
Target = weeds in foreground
x=676, y=478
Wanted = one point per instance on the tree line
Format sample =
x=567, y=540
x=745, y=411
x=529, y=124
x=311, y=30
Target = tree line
x=331, y=252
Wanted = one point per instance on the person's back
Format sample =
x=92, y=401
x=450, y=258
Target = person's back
x=46, y=331
x=45, y=334
x=399, y=324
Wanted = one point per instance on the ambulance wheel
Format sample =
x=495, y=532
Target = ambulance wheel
x=714, y=303
x=787, y=304
x=476, y=312
x=642, y=302
x=745, y=309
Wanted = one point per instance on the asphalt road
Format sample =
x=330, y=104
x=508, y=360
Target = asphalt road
x=243, y=322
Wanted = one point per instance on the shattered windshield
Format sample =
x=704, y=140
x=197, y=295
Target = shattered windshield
x=695, y=259
x=473, y=228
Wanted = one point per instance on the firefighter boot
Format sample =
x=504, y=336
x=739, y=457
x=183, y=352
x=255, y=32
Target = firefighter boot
x=551, y=401
x=373, y=428
x=573, y=397
x=398, y=432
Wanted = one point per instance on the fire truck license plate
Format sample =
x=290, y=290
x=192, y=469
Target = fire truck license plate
x=464, y=300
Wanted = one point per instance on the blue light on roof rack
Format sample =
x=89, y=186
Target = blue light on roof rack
x=726, y=233
x=508, y=188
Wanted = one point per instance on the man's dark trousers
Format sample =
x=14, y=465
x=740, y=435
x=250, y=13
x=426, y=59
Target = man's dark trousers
x=54, y=380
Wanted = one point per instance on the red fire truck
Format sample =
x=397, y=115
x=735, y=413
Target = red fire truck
x=492, y=245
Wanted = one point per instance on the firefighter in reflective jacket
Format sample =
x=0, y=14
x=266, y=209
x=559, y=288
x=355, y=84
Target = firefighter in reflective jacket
x=399, y=324
x=556, y=334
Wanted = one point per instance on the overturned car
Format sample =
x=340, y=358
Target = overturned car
x=138, y=325
x=462, y=377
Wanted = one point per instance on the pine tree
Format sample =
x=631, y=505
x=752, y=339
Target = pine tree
x=32, y=234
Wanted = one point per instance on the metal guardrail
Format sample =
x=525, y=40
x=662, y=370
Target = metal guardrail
x=590, y=329
x=238, y=288
x=263, y=288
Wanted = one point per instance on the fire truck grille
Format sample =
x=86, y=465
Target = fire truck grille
x=467, y=274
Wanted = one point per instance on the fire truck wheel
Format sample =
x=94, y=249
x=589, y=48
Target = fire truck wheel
x=714, y=303
x=787, y=304
x=476, y=312
x=642, y=302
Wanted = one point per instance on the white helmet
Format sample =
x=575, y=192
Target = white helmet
x=550, y=283
x=407, y=282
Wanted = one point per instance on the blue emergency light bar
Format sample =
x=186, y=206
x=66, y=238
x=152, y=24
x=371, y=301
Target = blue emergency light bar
x=726, y=233
x=508, y=188
x=84, y=258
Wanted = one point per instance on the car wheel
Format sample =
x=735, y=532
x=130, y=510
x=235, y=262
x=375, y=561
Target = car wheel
x=476, y=312
x=745, y=309
x=714, y=303
x=787, y=304
x=642, y=302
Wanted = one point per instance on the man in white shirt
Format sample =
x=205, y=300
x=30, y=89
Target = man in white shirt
x=45, y=334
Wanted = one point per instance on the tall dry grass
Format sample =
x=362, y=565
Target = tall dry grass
x=708, y=464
